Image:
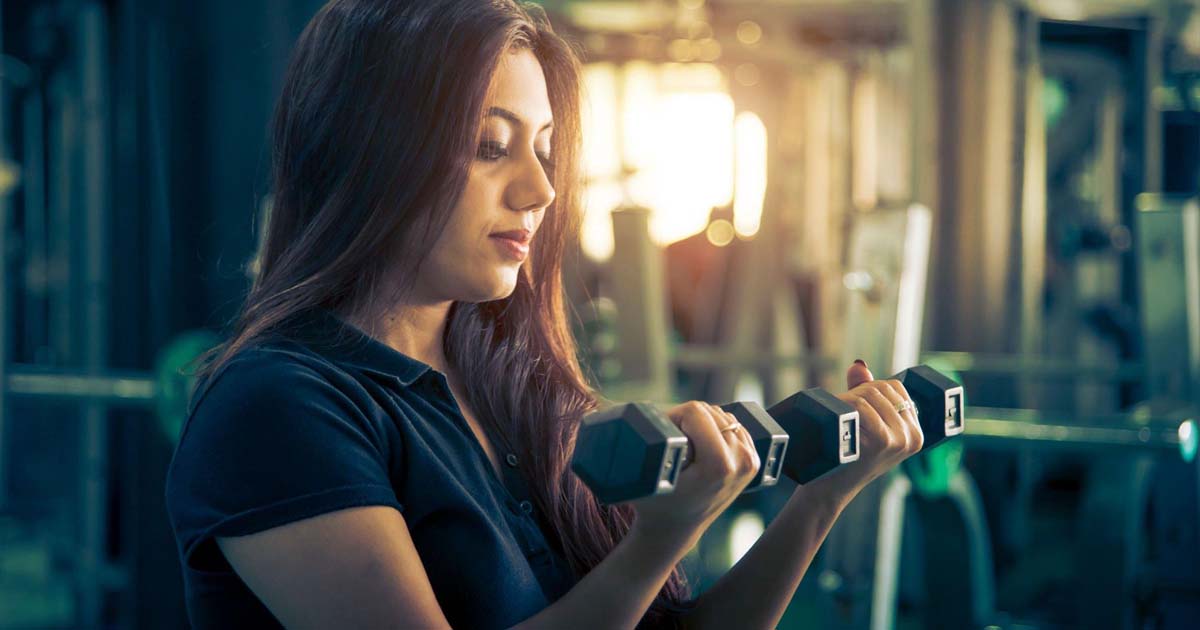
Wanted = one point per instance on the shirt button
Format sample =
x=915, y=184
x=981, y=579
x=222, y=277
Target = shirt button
x=527, y=507
x=511, y=459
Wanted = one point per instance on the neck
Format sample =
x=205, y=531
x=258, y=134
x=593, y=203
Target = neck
x=414, y=330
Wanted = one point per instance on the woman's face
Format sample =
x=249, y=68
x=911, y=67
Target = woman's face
x=488, y=237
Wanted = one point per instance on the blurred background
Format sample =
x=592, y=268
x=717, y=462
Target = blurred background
x=1002, y=189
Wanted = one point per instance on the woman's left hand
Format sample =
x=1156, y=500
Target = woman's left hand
x=886, y=436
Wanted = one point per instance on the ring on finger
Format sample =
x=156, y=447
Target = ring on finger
x=734, y=426
x=905, y=405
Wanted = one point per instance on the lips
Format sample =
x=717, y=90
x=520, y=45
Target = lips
x=513, y=244
x=519, y=236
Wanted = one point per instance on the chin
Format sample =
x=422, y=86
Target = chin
x=498, y=288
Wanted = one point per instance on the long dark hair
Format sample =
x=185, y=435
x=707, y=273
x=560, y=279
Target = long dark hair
x=373, y=135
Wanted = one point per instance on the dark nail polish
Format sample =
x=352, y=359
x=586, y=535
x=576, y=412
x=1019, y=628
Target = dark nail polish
x=861, y=362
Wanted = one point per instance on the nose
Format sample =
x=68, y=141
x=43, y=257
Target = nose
x=530, y=188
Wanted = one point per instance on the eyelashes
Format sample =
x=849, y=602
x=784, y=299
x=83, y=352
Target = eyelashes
x=491, y=151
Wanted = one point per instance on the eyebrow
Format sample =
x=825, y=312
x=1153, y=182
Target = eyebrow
x=513, y=118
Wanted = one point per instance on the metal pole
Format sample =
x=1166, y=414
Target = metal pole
x=112, y=388
x=35, y=220
x=1168, y=232
x=93, y=79
x=3, y=285
x=1036, y=368
x=1007, y=428
x=637, y=287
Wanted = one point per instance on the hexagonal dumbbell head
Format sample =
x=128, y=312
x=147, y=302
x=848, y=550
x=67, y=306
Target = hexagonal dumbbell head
x=939, y=402
x=823, y=431
x=628, y=452
x=770, y=440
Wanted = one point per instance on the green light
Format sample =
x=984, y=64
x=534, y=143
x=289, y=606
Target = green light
x=1055, y=100
x=1189, y=440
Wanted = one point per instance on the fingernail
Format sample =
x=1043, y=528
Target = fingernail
x=861, y=362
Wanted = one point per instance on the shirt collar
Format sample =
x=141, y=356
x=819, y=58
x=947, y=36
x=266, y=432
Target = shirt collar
x=346, y=344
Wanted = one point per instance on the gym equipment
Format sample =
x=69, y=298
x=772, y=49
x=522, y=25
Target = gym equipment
x=769, y=438
x=165, y=391
x=1139, y=516
x=1165, y=434
x=175, y=378
x=629, y=451
x=826, y=428
x=939, y=403
x=825, y=432
x=860, y=573
x=1042, y=368
x=1140, y=513
x=633, y=450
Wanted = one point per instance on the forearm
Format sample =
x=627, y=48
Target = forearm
x=619, y=590
x=756, y=591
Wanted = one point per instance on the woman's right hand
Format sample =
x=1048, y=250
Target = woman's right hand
x=720, y=465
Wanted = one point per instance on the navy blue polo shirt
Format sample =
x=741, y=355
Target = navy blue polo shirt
x=328, y=419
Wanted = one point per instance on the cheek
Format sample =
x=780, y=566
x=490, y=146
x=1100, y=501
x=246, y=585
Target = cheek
x=461, y=248
x=480, y=206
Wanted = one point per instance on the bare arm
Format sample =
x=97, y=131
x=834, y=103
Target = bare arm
x=617, y=593
x=358, y=568
x=756, y=591
x=353, y=568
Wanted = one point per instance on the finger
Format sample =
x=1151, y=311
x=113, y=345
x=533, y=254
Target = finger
x=742, y=456
x=886, y=411
x=874, y=436
x=897, y=400
x=858, y=374
x=725, y=420
x=913, y=417
x=736, y=437
x=697, y=423
x=748, y=450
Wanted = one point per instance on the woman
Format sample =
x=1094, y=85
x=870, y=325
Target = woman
x=384, y=439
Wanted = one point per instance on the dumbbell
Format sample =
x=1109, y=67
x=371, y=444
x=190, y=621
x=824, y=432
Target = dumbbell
x=822, y=431
x=628, y=452
x=825, y=428
x=939, y=403
x=633, y=450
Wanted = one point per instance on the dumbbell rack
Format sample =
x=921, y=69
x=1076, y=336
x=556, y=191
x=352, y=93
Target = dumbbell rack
x=163, y=392
x=58, y=293
x=79, y=212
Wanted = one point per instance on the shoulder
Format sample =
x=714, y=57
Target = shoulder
x=276, y=435
x=271, y=371
x=269, y=362
x=273, y=384
x=271, y=406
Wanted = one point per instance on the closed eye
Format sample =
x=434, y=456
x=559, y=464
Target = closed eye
x=491, y=151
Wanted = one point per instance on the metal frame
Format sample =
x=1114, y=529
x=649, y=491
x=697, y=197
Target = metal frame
x=977, y=564
x=94, y=479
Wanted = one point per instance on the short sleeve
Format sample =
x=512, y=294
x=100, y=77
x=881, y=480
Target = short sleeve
x=271, y=440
